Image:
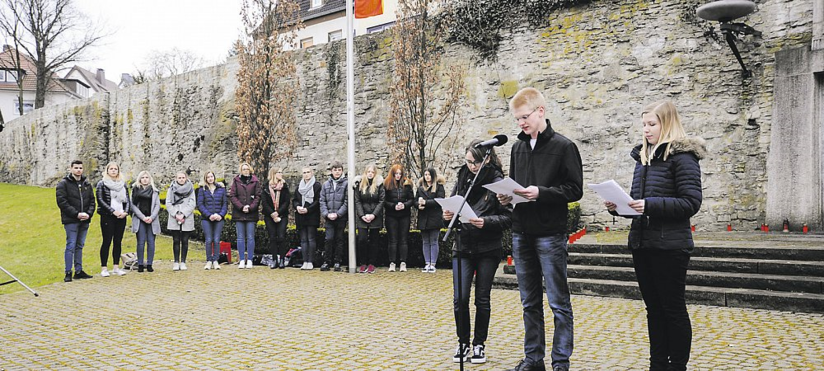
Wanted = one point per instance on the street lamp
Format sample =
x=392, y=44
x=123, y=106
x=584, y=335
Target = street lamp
x=726, y=11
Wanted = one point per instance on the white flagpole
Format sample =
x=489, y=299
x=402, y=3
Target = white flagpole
x=350, y=125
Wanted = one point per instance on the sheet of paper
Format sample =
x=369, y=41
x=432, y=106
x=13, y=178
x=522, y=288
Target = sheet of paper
x=612, y=192
x=453, y=203
x=505, y=187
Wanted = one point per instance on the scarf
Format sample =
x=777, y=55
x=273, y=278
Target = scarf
x=142, y=197
x=179, y=192
x=307, y=191
x=117, y=189
x=488, y=174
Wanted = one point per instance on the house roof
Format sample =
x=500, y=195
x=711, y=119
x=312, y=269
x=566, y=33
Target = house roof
x=29, y=73
x=328, y=7
x=90, y=78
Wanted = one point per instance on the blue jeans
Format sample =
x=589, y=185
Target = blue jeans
x=245, y=240
x=145, y=236
x=75, y=240
x=485, y=264
x=211, y=236
x=544, y=260
x=430, y=245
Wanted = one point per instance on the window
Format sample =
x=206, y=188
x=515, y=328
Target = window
x=380, y=28
x=28, y=106
x=305, y=43
x=335, y=35
x=8, y=76
x=316, y=4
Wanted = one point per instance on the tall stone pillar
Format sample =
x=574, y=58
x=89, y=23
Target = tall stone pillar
x=818, y=25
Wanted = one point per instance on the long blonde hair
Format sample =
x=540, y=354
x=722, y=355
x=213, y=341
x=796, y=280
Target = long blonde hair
x=365, y=187
x=119, y=173
x=671, y=129
x=140, y=175
x=273, y=176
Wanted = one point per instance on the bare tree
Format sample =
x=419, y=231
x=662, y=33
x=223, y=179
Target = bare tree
x=53, y=35
x=266, y=95
x=161, y=64
x=418, y=126
x=13, y=63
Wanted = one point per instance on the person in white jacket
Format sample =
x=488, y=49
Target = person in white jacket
x=180, y=204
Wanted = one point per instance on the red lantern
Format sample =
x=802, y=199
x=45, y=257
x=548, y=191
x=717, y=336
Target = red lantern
x=729, y=227
x=805, y=229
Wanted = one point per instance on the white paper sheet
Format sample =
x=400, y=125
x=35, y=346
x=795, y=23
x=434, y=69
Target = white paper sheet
x=612, y=192
x=453, y=203
x=505, y=187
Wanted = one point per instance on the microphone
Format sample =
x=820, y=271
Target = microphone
x=498, y=140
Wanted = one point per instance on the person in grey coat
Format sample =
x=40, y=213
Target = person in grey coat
x=334, y=211
x=145, y=214
x=180, y=204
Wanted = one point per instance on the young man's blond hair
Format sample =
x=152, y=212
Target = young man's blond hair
x=529, y=97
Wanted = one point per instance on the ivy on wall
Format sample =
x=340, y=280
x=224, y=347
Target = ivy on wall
x=479, y=23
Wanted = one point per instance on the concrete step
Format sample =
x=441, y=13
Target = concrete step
x=738, y=265
x=755, y=281
x=716, y=296
x=743, y=252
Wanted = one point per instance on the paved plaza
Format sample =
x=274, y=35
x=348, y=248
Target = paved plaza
x=294, y=320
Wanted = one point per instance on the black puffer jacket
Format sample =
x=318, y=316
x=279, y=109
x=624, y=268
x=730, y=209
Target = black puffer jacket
x=431, y=217
x=311, y=218
x=671, y=190
x=283, y=202
x=497, y=218
x=369, y=203
x=74, y=197
x=404, y=195
x=554, y=166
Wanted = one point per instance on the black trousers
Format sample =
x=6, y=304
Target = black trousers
x=662, y=276
x=180, y=245
x=335, y=240
x=277, y=237
x=112, y=229
x=368, y=239
x=482, y=268
x=398, y=230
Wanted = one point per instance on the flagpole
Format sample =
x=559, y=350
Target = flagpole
x=350, y=125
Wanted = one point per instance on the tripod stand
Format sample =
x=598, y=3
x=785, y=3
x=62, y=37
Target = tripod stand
x=14, y=279
x=458, y=248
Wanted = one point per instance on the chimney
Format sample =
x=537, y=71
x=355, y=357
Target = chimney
x=101, y=76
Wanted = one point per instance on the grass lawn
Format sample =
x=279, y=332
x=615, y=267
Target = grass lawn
x=32, y=240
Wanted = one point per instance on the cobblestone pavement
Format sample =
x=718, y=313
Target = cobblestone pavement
x=295, y=320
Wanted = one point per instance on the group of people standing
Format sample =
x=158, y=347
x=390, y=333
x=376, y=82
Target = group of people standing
x=666, y=192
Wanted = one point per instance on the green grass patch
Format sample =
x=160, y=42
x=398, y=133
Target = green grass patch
x=32, y=239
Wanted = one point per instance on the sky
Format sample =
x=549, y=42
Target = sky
x=208, y=28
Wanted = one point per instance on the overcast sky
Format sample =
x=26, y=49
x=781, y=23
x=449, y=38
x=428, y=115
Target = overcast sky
x=206, y=27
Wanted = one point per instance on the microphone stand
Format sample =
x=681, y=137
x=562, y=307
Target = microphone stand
x=459, y=249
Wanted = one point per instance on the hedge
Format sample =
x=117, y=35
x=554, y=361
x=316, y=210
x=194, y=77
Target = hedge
x=415, y=258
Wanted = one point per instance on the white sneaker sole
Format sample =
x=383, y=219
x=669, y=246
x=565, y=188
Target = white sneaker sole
x=477, y=360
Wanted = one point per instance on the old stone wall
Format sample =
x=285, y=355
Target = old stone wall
x=598, y=65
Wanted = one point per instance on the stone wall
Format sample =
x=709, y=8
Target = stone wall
x=598, y=65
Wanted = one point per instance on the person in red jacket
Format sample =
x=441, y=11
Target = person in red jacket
x=245, y=198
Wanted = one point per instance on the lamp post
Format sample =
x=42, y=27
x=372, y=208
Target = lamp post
x=726, y=11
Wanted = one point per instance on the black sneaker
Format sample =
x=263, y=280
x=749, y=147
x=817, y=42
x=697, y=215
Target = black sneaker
x=81, y=275
x=149, y=268
x=324, y=267
x=478, y=354
x=528, y=365
x=140, y=269
x=462, y=351
x=68, y=277
x=337, y=267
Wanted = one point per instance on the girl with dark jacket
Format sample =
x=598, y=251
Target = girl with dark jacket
x=211, y=201
x=430, y=187
x=181, y=204
x=276, y=198
x=307, y=215
x=398, y=205
x=113, y=207
x=666, y=190
x=369, y=198
x=245, y=197
x=480, y=251
x=145, y=218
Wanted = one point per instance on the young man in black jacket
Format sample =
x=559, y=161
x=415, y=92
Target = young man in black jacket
x=549, y=166
x=75, y=199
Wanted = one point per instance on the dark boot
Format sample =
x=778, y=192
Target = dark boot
x=149, y=268
x=140, y=269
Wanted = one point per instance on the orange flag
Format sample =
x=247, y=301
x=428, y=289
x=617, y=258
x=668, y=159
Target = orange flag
x=368, y=8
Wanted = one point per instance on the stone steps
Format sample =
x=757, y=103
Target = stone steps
x=738, y=265
x=777, y=275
